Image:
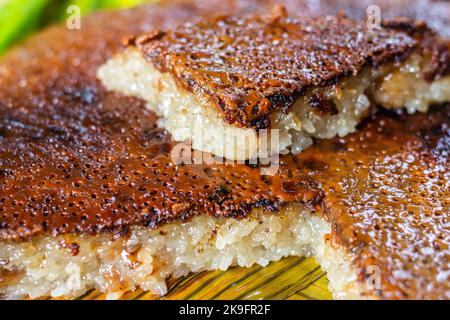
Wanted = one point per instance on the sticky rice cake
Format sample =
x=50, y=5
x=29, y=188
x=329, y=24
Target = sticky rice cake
x=71, y=152
x=217, y=83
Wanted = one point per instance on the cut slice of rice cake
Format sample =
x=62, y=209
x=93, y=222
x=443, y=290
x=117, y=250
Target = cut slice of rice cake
x=219, y=83
x=89, y=197
x=378, y=226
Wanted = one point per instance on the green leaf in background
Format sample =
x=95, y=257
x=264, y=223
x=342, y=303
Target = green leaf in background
x=20, y=17
x=17, y=18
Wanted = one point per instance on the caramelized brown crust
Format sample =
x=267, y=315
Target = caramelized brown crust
x=74, y=158
x=249, y=67
x=387, y=196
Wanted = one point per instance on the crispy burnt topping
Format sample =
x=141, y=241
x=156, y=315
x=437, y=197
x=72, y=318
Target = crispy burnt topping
x=249, y=67
x=321, y=104
x=74, y=158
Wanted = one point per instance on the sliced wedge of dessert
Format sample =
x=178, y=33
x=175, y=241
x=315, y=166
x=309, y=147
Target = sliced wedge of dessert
x=90, y=199
x=219, y=83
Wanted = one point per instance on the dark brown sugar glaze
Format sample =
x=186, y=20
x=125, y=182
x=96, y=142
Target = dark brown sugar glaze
x=249, y=67
x=387, y=196
x=76, y=159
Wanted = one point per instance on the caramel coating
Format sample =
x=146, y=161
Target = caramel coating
x=74, y=158
x=249, y=67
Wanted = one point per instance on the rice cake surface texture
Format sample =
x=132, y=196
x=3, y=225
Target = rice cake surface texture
x=76, y=159
x=249, y=67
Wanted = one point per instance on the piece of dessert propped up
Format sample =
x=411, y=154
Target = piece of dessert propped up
x=225, y=83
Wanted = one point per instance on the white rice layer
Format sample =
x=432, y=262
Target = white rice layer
x=49, y=266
